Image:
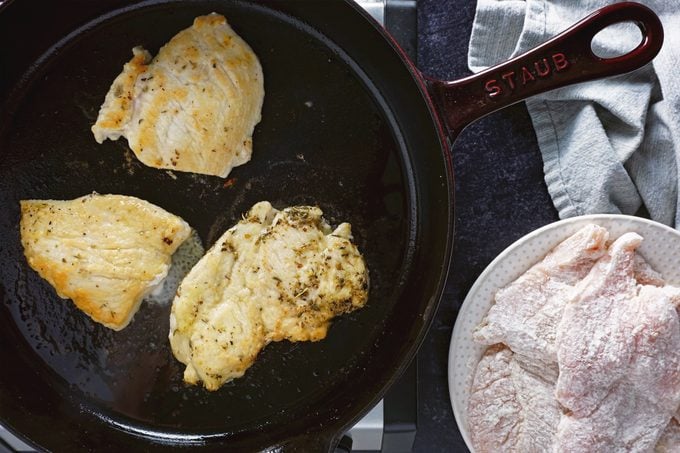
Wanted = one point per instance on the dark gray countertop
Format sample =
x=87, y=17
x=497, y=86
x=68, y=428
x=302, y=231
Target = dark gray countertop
x=500, y=196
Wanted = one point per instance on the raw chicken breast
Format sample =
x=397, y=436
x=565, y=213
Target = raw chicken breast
x=276, y=275
x=619, y=358
x=594, y=331
x=670, y=439
x=104, y=252
x=191, y=108
x=511, y=409
x=645, y=274
x=526, y=312
x=593, y=352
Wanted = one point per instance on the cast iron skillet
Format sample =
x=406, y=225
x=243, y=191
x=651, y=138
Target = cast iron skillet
x=348, y=124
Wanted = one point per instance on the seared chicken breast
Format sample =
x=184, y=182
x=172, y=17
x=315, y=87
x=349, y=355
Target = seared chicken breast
x=191, y=108
x=104, y=252
x=276, y=275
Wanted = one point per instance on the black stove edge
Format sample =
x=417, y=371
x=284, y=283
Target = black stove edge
x=401, y=21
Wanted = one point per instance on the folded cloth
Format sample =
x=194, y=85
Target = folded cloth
x=608, y=146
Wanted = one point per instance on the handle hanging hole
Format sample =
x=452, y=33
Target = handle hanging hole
x=616, y=40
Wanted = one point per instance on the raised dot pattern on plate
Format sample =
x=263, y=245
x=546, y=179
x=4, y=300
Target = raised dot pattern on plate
x=660, y=247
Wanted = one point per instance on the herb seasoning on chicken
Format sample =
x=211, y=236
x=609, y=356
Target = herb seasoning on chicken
x=191, y=108
x=275, y=275
x=104, y=252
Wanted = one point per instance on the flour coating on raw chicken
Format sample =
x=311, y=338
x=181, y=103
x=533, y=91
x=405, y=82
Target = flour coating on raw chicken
x=619, y=358
x=511, y=408
x=526, y=312
x=598, y=327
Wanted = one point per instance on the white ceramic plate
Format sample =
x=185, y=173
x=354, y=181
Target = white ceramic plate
x=660, y=247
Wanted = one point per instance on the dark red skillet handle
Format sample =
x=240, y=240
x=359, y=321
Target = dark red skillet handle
x=565, y=59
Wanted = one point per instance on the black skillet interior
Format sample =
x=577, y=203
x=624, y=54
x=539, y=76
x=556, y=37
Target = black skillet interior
x=344, y=126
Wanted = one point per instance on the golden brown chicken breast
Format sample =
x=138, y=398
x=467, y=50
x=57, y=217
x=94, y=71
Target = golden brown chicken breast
x=104, y=252
x=191, y=108
x=276, y=275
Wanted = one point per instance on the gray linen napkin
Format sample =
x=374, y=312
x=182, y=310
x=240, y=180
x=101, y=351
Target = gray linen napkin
x=608, y=146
